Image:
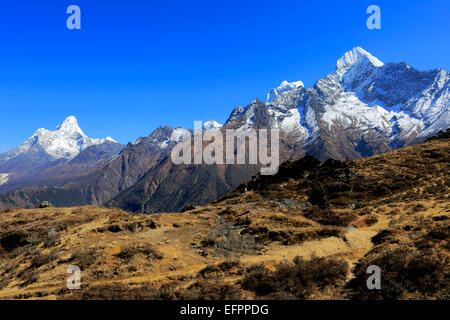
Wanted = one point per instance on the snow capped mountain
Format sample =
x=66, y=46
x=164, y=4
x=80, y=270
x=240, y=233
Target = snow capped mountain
x=355, y=64
x=179, y=135
x=283, y=87
x=390, y=104
x=163, y=137
x=365, y=107
x=212, y=125
x=66, y=142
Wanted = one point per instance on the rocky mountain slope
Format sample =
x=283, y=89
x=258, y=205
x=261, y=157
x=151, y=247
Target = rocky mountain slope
x=364, y=108
x=309, y=232
x=95, y=185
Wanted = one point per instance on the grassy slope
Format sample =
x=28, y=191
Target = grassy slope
x=214, y=251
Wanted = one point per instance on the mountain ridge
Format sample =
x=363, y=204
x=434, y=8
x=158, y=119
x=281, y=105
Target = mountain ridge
x=365, y=107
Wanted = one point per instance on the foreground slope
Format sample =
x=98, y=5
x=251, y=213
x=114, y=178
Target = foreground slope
x=310, y=232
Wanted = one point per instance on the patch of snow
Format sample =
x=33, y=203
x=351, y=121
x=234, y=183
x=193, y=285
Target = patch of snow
x=212, y=125
x=356, y=56
x=4, y=177
x=179, y=135
x=349, y=112
x=283, y=87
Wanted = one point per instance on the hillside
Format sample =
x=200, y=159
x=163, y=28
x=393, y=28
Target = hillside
x=309, y=232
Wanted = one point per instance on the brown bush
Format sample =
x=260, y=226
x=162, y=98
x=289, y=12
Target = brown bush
x=209, y=242
x=13, y=240
x=436, y=233
x=370, y=221
x=405, y=273
x=329, y=217
x=319, y=196
x=300, y=279
x=211, y=290
x=86, y=258
x=29, y=277
x=200, y=290
x=222, y=268
x=9, y=210
x=382, y=236
x=115, y=291
x=127, y=253
x=42, y=259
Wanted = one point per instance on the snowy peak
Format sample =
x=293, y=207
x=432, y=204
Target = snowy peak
x=212, y=125
x=162, y=137
x=66, y=142
x=283, y=87
x=286, y=86
x=180, y=134
x=247, y=112
x=356, y=56
x=393, y=101
x=355, y=66
x=70, y=125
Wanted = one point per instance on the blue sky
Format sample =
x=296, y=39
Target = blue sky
x=135, y=65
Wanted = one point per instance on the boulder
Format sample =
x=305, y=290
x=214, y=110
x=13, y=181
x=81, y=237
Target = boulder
x=45, y=204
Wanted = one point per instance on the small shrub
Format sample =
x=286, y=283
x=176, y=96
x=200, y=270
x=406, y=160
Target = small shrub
x=382, y=236
x=329, y=217
x=127, y=253
x=300, y=279
x=406, y=273
x=115, y=291
x=30, y=277
x=41, y=259
x=168, y=291
x=208, y=242
x=319, y=196
x=86, y=258
x=211, y=290
x=13, y=240
x=221, y=268
x=9, y=210
x=370, y=221
x=381, y=191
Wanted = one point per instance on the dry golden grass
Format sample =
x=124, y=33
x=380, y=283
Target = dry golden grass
x=183, y=255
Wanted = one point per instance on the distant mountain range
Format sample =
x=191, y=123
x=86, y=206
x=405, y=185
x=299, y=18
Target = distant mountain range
x=54, y=157
x=364, y=108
